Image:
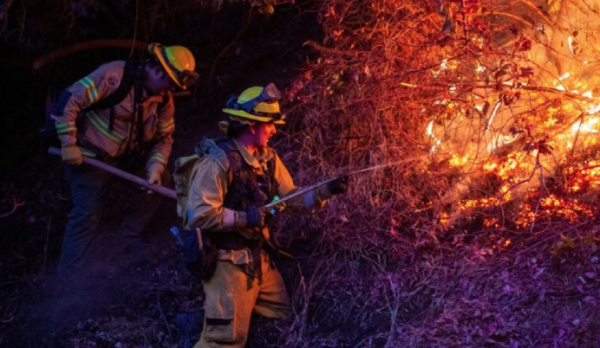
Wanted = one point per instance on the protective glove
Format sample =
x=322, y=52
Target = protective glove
x=154, y=174
x=255, y=217
x=71, y=154
x=339, y=185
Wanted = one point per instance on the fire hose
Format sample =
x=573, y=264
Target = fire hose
x=307, y=189
x=167, y=192
x=171, y=193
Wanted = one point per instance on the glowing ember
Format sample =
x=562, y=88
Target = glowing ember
x=553, y=207
x=518, y=135
x=583, y=177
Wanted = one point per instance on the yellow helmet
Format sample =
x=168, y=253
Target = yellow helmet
x=178, y=62
x=257, y=104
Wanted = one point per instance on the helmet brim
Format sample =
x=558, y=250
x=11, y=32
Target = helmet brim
x=244, y=114
x=166, y=68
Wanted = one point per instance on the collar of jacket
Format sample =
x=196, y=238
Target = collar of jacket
x=262, y=155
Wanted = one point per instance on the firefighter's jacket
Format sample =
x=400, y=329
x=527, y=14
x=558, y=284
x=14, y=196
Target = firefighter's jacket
x=211, y=179
x=91, y=130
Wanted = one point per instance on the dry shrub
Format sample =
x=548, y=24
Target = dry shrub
x=442, y=248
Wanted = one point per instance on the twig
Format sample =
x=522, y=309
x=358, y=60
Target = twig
x=163, y=316
x=15, y=205
x=332, y=51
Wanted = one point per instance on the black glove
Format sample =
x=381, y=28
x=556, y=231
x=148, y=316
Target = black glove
x=339, y=185
x=255, y=217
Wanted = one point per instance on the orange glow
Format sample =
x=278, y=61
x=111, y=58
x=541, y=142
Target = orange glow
x=583, y=177
x=520, y=134
x=554, y=207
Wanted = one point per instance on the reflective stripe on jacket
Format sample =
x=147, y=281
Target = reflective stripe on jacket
x=92, y=130
x=210, y=182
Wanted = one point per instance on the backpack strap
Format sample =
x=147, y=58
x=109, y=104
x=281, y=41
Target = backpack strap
x=133, y=77
x=138, y=113
x=127, y=82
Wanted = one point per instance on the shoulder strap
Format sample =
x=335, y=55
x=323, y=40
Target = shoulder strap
x=271, y=170
x=121, y=92
x=182, y=176
x=232, y=154
x=165, y=100
x=138, y=109
x=127, y=82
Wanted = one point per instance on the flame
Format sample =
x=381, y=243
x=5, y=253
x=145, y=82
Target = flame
x=432, y=136
x=444, y=64
x=459, y=161
x=570, y=40
x=554, y=207
x=593, y=109
x=583, y=177
x=499, y=141
x=496, y=107
x=587, y=126
x=530, y=149
x=505, y=168
x=566, y=75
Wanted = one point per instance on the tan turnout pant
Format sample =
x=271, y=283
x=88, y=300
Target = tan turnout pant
x=232, y=295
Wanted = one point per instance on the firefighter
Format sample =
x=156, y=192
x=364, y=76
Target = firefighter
x=133, y=131
x=234, y=176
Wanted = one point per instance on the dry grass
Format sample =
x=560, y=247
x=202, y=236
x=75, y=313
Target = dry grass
x=426, y=253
